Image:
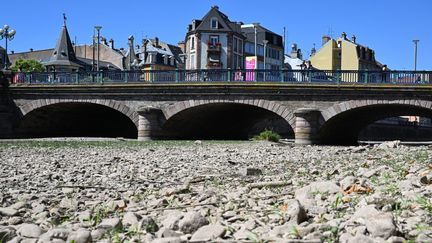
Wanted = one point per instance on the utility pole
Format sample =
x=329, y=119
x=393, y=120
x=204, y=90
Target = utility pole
x=284, y=40
x=98, y=28
x=415, y=54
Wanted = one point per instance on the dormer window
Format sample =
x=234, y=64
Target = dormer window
x=214, y=23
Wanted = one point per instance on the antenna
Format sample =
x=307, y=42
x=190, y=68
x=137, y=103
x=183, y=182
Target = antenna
x=330, y=31
x=75, y=44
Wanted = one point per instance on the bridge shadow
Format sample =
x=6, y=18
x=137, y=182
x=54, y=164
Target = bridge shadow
x=75, y=120
x=349, y=126
x=224, y=121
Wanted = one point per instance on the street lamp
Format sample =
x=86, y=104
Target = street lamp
x=265, y=55
x=255, y=37
x=415, y=54
x=7, y=35
x=98, y=28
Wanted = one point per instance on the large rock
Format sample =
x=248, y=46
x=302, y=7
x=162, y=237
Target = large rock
x=8, y=212
x=381, y=225
x=167, y=240
x=364, y=212
x=306, y=194
x=171, y=220
x=56, y=234
x=111, y=223
x=80, y=236
x=295, y=212
x=208, y=233
x=30, y=231
x=130, y=219
x=191, y=222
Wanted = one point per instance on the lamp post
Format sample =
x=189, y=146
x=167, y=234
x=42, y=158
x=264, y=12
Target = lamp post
x=265, y=56
x=415, y=54
x=98, y=28
x=255, y=37
x=7, y=35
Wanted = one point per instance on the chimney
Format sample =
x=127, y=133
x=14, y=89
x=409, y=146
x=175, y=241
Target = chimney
x=216, y=7
x=182, y=45
x=31, y=49
x=144, y=49
x=130, y=42
x=12, y=52
x=344, y=35
x=325, y=39
x=313, y=51
x=104, y=41
x=294, y=51
x=111, y=43
x=354, y=38
x=157, y=42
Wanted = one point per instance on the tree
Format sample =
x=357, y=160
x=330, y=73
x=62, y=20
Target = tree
x=28, y=66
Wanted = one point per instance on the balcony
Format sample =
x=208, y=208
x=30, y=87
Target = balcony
x=214, y=47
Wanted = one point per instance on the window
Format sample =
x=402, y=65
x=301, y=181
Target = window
x=260, y=50
x=214, y=39
x=192, y=43
x=192, y=62
x=238, y=62
x=250, y=47
x=214, y=24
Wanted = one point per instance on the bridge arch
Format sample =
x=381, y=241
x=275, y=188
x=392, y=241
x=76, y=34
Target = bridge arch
x=342, y=122
x=252, y=113
x=86, y=114
x=118, y=106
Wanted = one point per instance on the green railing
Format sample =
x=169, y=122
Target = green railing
x=226, y=75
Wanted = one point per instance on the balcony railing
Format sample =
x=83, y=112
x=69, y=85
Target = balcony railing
x=211, y=47
x=227, y=75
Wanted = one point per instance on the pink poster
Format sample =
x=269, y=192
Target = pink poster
x=250, y=67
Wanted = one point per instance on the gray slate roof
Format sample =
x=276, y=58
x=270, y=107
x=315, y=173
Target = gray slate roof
x=64, y=54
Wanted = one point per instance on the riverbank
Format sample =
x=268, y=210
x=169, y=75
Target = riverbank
x=180, y=191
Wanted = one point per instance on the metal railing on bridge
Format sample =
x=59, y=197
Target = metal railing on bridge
x=338, y=77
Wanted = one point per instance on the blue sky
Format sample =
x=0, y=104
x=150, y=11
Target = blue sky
x=388, y=27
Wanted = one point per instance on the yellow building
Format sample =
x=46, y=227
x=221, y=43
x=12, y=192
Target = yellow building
x=344, y=54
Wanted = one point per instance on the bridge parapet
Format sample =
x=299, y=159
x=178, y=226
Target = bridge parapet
x=335, y=77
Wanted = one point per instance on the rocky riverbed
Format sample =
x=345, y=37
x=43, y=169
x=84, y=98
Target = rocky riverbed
x=124, y=191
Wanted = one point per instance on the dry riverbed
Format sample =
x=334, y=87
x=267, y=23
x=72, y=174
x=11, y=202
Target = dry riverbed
x=125, y=191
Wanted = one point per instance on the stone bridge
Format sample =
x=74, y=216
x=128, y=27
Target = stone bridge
x=312, y=113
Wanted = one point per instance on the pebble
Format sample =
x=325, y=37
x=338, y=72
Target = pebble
x=174, y=192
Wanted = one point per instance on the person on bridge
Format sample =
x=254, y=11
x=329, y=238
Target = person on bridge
x=19, y=77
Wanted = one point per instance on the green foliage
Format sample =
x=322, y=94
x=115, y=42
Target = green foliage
x=268, y=135
x=424, y=203
x=28, y=66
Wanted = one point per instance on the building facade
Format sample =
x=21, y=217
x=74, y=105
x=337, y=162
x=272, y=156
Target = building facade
x=266, y=43
x=214, y=42
x=344, y=54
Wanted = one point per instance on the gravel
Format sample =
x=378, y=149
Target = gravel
x=115, y=191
